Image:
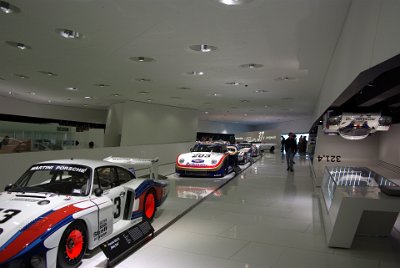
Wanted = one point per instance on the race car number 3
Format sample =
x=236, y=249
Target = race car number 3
x=7, y=214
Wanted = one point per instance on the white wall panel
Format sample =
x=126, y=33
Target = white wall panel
x=144, y=123
x=221, y=127
x=23, y=108
x=389, y=146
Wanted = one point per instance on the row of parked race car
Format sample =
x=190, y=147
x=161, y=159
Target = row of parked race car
x=215, y=159
x=59, y=209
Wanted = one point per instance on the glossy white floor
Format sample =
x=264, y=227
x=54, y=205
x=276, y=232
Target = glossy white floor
x=265, y=217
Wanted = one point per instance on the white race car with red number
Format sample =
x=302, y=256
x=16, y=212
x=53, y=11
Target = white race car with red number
x=205, y=159
x=58, y=209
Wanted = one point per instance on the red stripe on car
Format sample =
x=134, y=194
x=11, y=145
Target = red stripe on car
x=36, y=230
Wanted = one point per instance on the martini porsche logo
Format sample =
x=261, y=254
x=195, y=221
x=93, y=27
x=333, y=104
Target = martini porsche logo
x=197, y=161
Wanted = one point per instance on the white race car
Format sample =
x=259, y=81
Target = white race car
x=352, y=126
x=206, y=159
x=58, y=209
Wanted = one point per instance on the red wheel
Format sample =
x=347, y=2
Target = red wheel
x=149, y=208
x=72, y=245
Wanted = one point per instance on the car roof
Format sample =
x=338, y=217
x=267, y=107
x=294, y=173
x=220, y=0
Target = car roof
x=86, y=162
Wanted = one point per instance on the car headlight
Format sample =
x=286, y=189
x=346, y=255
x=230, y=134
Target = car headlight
x=181, y=161
x=214, y=161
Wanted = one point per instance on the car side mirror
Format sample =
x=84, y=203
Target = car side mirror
x=8, y=187
x=98, y=192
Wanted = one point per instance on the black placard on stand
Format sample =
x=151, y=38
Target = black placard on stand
x=118, y=246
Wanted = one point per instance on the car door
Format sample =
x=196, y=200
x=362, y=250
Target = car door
x=108, y=180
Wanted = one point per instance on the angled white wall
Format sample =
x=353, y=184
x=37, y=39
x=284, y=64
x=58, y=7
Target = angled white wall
x=144, y=123
x=221, y=127
x=369, y=36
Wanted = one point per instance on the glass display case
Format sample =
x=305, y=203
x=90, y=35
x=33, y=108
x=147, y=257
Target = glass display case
x=354, y=178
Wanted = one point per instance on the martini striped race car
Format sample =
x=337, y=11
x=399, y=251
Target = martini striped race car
x=58, y=209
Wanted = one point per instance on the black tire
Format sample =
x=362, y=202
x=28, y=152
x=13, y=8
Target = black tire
x=149, y=205
x=72, y=246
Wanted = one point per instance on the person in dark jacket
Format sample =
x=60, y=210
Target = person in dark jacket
x=290, y=149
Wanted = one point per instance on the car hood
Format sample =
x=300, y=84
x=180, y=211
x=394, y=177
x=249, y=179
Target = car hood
x=20, y=211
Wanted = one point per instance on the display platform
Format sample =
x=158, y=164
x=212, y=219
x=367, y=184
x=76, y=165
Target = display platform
x=184, y=193
x=352, y=203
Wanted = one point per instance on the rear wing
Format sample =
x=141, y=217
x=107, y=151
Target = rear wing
x=137, y=163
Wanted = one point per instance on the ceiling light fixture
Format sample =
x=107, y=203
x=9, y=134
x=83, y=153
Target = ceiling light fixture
x=72, y=88
x=116, y=95
x=18, y=45
x=21, y=76
x=234, y=2
x=143, y=80
x=149, y=100
x=203, y=48
x=32, y=93
x=141, y=59
x=234, y=83
x=48, y=73
x=144, y=92
x=88, y=97
x=244, y=101
x=284, y=78
x=261, y=91
x=194, y=73
x=252, y=66
x=7, y=8
x=102, y=85
x=69, y=34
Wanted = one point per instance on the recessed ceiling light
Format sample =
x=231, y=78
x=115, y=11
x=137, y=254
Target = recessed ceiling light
x=244, y=101
x=203, y=48
x=215, y=95
x=116, y=95
x=18, y=45
x=234, y=2
x=143, y=79
x=85, y=105
x=7, y=8
x=234, y=83
x=72, y=88
x=284, y=78
x=261, y=91
x=49, y=101
x=21, y=76
x=142, y=59
x=48, y=73
x=69, y=34
x=194, y=73
x=32, y=93
x=102, y=85
x=184, y=88
x=149, y=100
x=206, y=112
x=252, y=66
x=266, y=106
x=144, y=92
x=88, y=97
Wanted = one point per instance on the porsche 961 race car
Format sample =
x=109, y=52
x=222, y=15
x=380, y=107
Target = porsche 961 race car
x=205, y=159
x=58, y=209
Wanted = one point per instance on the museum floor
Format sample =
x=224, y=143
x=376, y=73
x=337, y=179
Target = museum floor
x=264, y=217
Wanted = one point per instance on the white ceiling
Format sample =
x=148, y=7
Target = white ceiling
x=290, y=38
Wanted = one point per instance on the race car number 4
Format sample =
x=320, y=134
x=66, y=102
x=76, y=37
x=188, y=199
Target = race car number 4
x=7, y=214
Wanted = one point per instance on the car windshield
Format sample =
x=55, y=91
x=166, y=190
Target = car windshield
x=55, y=178
x=216, y=148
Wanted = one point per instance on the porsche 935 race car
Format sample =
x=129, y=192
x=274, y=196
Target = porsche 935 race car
x=245, y=152
x=205, y=159
x=58, y=209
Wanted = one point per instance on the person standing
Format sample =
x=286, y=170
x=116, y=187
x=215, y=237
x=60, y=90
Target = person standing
x=290, y=149
x=282, y=143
